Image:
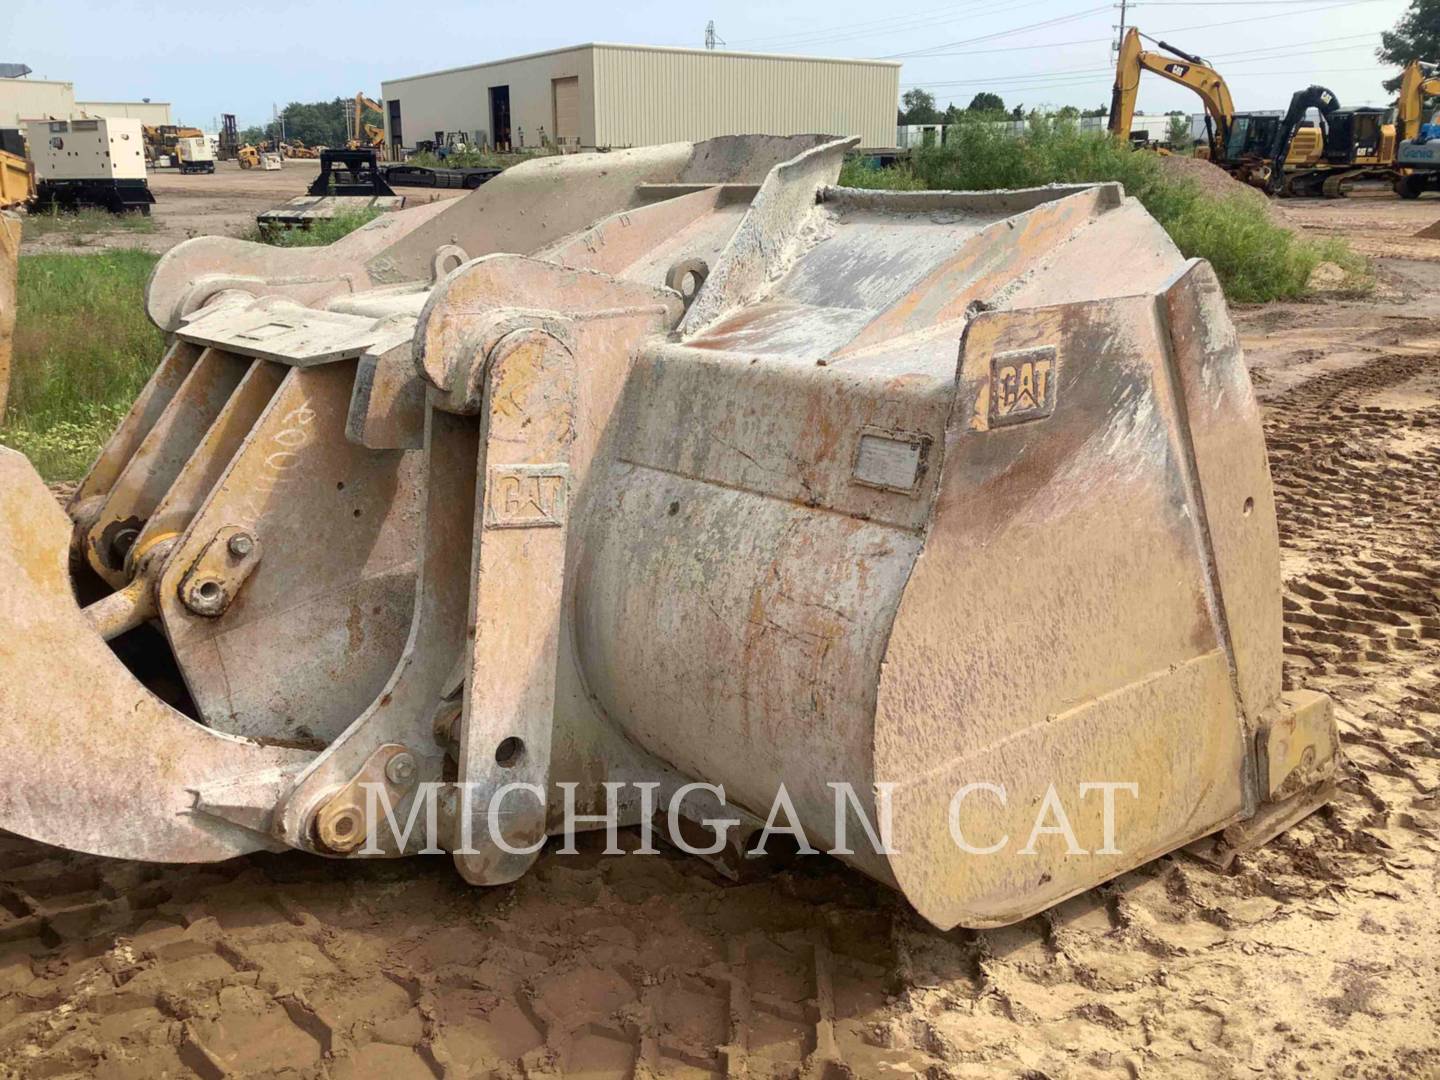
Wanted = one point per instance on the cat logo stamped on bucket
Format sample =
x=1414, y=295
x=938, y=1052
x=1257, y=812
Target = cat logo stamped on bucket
x=1023, y=386
x=527, y=496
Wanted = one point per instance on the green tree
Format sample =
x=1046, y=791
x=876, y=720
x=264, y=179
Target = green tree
x=1177, y=134
x=986, y=102
x=1067, y=112
x=321, y=123
x=1415, y=37
x=918, y=107
x=1103, y=110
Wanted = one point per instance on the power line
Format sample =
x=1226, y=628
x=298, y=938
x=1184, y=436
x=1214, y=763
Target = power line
x=1262, y=18
x=1276, y=49
x=1038, y=84
x=885, y=27
x=931, y=51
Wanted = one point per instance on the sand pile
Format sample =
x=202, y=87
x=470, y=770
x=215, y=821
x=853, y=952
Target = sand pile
x=1215, y=181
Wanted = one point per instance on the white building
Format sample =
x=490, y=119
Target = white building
x=601, y=95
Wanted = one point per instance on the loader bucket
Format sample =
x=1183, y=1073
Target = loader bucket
x=676, y=488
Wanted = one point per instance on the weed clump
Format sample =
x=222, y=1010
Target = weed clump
x=319, y=233
x=1255, y=258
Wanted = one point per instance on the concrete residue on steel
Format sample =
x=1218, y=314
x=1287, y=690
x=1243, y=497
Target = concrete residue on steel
x=668, y=465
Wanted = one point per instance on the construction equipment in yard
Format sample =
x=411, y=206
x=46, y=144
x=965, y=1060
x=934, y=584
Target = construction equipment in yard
x=90, y=161
x=228, y=145
x=1418, y=155
x=1239, y=143
x=161, y=143
x=408, y=175
x=672, y=466
x=1179, y=67
x=360, y=133
x=1358, y=145
x=1324, y=102
x=193, y=154
x=350, y=181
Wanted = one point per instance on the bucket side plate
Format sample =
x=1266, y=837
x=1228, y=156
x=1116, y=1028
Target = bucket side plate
x=94, y=761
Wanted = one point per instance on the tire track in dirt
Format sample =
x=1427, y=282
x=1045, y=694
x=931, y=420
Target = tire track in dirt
x=1315, y=955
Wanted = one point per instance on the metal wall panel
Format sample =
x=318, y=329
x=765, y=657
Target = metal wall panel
x=147, y=112
x=459, y=99
x=34, y=99
x=649, y=95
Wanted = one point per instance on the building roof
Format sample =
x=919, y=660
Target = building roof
x=645, y=48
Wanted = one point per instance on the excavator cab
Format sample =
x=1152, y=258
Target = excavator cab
x=1358, y=136
x=1250, y=134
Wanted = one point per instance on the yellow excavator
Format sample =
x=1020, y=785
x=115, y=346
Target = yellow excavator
x=361, y=134
x=1418, y=153
x=1279, y=155
x=1180, y=67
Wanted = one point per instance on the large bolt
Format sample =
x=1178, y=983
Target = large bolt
x=341, y=831
x=241, y=544
x=400, y=770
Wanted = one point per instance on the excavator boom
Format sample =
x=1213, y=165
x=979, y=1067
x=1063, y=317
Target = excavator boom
x=1301, y=102
x=1179, y=67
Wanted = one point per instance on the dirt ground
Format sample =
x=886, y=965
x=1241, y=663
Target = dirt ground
x=223, y=203
x=1318, y=955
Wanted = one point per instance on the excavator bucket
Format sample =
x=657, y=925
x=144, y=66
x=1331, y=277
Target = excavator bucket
x=676, y=488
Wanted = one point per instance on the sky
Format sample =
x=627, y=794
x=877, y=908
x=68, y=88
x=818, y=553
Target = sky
x=208, y=58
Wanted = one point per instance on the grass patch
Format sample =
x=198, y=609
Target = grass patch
x=83, y=349
x=80, y=227
x=1255, y=258
x=322, y=232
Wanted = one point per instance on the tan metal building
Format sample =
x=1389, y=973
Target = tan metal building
x=155, y=113
x=601, y=95
x=36, y=99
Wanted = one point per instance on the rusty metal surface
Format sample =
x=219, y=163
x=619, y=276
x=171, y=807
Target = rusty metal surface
x=109, y=771
x=319, y=624
x=159, y=460
x=684, y=464
x=403, y=712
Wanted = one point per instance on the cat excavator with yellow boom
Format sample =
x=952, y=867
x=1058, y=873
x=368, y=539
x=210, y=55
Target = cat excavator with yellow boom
x=1244, y=144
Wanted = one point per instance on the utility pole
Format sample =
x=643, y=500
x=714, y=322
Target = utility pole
x=712, y=38
x=1120, y=39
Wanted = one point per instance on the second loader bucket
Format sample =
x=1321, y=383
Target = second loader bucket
x=934, y=530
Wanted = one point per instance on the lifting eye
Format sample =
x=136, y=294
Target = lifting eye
x=687, y=277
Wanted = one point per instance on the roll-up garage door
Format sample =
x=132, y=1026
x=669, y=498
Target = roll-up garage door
x=567, y=109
